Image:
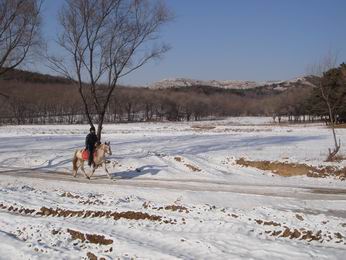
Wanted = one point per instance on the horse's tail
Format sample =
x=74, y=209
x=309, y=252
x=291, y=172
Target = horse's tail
x=74, y=163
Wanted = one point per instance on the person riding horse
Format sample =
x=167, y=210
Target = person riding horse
x=90, y=141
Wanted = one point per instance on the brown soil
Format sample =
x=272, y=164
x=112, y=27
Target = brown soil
x=55, y=232
x=301, y=234
x=283, y=231
x=91, y=202
x=203, y=127
x=297, y=234
x=294, y=169
x=178, y=159
x=192, y=168
x=76, y=235
x=91, y=238
x=84, y=201
x=177, y=208
x=338, y=235
x=58, y=212
x=299, y=217
x=340, y=126
x=70, y=195
x=98, y=239
x=91, y=256
x=173, y=207
x=267, y=223
x=131, y=215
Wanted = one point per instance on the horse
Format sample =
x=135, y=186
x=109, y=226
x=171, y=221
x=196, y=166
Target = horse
x=99, y=160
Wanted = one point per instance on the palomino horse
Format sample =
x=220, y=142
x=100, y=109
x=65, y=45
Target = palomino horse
x=99, y=159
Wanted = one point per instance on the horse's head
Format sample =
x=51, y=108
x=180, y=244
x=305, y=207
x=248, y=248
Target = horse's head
x=107, y=148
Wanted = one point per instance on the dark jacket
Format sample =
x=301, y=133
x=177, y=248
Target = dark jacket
x=90, y=141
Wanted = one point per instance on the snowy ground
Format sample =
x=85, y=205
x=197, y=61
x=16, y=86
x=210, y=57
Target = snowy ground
x=176, y=193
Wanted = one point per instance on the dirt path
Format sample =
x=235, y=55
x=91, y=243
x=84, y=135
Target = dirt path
x=298, y=192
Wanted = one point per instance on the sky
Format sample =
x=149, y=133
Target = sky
x=237, y=39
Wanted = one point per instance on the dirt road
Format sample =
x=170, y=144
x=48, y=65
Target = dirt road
x=297, y=192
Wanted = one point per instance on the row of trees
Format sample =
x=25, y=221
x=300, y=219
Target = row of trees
x=42, y=103
x=34, y=103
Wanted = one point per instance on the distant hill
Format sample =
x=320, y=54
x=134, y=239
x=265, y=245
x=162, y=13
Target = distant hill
x=242, y=88
x=235, y=85
x=33, y=77
x=183, y=83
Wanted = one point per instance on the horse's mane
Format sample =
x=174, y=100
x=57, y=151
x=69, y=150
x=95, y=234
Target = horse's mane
x=98, y=145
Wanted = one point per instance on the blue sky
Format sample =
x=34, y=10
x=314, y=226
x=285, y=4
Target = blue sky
x=238, y=39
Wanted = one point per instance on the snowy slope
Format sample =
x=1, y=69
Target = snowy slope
x=158, y=206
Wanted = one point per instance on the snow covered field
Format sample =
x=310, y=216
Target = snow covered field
x=176, y=193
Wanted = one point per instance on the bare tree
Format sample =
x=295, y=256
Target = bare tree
x=106, y=40
x=19, y=31
x=333, y=91
x=328, y=84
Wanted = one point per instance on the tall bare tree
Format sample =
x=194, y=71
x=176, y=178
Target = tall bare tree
x=19, y=32
x=331, y=90
x=106, y=40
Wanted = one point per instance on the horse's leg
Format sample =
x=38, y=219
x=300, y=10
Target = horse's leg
x=75, y=170
x=93, y=170
x=75, y=165
x=82, y=168
x=109, y=176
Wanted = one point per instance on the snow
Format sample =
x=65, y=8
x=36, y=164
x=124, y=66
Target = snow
x=184, y=173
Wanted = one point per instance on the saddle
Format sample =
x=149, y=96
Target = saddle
x=85, y=154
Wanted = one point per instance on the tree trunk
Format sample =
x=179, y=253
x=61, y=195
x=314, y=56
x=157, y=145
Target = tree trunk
x=337, y=145
x=100, y=124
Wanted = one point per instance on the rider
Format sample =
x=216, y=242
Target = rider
x=90, y=141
